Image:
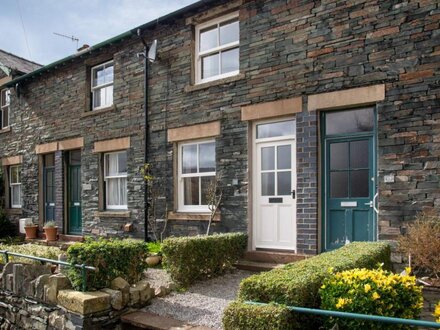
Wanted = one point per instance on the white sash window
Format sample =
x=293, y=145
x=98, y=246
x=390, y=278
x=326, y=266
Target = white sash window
x=115, y=177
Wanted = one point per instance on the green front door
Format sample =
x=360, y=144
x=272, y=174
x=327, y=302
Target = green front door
x=74, y=193
x=349, y=181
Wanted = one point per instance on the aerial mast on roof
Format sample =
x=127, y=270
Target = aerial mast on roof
x=73, y=38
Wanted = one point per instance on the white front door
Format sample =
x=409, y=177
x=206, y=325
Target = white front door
x=275, y=188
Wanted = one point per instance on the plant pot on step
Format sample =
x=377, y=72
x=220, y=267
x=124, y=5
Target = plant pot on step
x=51, y=231
x=31, y=231
x=153, y=260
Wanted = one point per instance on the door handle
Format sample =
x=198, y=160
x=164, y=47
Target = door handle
x=293, y=193
x=370, y=204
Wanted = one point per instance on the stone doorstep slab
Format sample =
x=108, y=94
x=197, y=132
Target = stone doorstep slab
x=147, y=320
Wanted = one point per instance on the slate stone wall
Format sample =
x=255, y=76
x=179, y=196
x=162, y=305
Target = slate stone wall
x=287, y=49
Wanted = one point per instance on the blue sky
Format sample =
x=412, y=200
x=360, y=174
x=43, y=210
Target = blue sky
x=91, y=21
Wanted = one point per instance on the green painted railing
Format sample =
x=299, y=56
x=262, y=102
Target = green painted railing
x=83, y=267
x=374, y=318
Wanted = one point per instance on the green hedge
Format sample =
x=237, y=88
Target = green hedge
x=189, y=259
x=297, y=284
x=48, y=252
x=251, y=317
x=112, y=258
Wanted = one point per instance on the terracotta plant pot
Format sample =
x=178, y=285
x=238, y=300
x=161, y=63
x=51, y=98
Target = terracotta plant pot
x=31, y=232
x=51, y=233
x=153, y=260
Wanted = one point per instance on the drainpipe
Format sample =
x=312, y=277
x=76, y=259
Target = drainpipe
x=146, y=134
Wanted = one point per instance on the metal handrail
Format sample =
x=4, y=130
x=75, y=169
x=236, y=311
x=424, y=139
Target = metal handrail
x=375, y=318
x=83, y=267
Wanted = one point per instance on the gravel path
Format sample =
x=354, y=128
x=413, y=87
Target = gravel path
x=203, y=303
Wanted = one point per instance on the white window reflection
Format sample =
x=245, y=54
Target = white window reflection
x=102, y=85
x=282, y=128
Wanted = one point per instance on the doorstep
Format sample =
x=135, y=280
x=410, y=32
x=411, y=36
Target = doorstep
x=147, y=320
x=255, y=266
x=273, y=257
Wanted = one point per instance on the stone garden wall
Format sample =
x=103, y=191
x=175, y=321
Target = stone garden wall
x=31, y=297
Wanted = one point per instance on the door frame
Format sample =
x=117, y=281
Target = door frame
x=254, y=174
x=323, y=168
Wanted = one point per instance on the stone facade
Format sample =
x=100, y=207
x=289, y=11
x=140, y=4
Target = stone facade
x=287, y=50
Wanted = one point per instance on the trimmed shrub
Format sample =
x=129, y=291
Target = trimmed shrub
x=297, y=284
x=422, y=241
x=243, y=316
x=111, y=257
x=49, y=252
x=374, y=292
x=189, y=259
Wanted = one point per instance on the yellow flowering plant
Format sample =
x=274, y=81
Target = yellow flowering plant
x=437, y=312
x=374, y=292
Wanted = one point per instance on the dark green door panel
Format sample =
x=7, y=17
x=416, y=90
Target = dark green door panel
x=49, y=194
x=348, y=168
x=74, y=195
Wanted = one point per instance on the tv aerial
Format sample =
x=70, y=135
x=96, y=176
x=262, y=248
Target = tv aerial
x=73, y=38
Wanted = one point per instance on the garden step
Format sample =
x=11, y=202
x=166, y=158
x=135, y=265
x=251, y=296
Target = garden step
x=273, y=257
x=256, y=266
x=147, y=320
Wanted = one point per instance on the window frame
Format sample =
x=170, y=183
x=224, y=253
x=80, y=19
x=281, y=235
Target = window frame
x=6, y=106
x=15, y=185
x=199, y=55
x=114, y=177
x=181, y=193
x=99, y=87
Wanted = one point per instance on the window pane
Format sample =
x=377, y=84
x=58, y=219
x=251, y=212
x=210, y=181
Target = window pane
x=112, y=191
x=210, y=66
x=284, y=183
x=207, y=184
x=229, y=32
x=4, y=97
x=339, y=156
x=123, y=191
x=15, y=174
x=75, y=157
x=122, y=162
x=98, y=76
x=207, y=157
x=208, y=38
x=268, y=184
x=359, y=154
x=97, y=96
x=267, y=158
x=108, y=91
x=5, y=122
x=109, y=74
x=339, y=184
x=359, y=183
x=111, y=164
x=230, y=60
x=189, y=158
x=16, y=199
x=49, y=160
x=191, y=191
x=284, y=157
x=282, y=128
x=340, y=122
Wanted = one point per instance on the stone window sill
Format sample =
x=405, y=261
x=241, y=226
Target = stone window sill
x=14, y=211
x=113, y=214
x=98, y=112
x=192, y=88
x=5, y=130
x=192, y=216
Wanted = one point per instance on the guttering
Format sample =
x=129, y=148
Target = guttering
x=116, y=39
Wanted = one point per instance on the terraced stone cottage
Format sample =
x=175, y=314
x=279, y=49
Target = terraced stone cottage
x=322, y=117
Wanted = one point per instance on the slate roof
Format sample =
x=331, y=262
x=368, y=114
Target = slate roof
x=16, y=63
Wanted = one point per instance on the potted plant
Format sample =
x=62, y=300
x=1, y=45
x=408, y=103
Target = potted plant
x=30, y=229
x=154, y=254
x=51, y=231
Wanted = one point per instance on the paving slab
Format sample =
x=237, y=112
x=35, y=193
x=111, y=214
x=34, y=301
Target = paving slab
x=147, y=320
